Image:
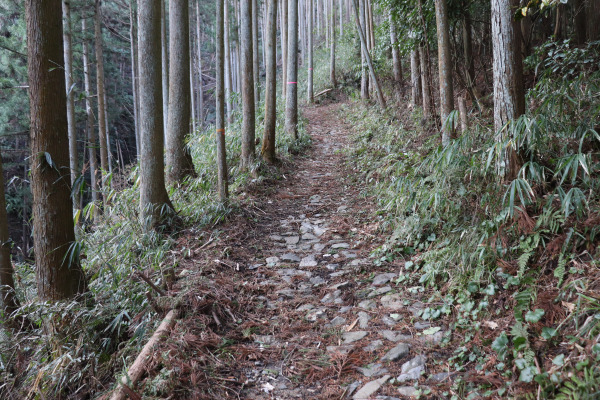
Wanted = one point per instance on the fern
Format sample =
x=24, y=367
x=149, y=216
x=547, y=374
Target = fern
x=522, y=299
x=560, y=270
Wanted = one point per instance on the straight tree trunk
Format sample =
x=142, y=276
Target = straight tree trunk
x=72, y=128
x=228, y=69
x=58, y=272
x=341, y=18
x=579, y=21
x=134, y=75
x=468, y=53
x=200, y=104
x=248, y=106
x=397, y=63
x=332, y=49
x=378, y=92
x=291, y=98
x=255, y=58
x=220, y=104
x=284, y=30
x=8, y=296
x=425, y=83
x=179, y=159
x=164, y=52
x=509, y=99
x=193, y=83
x=102, y=122
x=268, y=145
x=92, y=143
x=371, y=32
x=445, y=68
x=310, y=90
x=364, y=81
x=154, y=200
x=415, y=78
x=593, y=16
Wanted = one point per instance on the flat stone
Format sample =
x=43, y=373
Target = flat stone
x=388, y=321
x=343, y=349
x=398, y=352
x=331, y=297
x=309, y=236
x=271, y=261
x=367, y=304
x=370, y=388
x=345, y=309
x=411, y=370
x=422, y=325
x=359, y=261
x=338, y=274
x=291, y=272
x=440, y=377
x=317, y=280
x=380, y=291
x=340, y=246
x=392, y=301
x=292, y=240
x=351, y=388
x=342, y=285
x=289, y=293
x=408, y=391
x=319, y=231
x=395, y=336
x=436, y=338
x=363, y=319
x=276, y=238
x=351, y=337
x=372, y=370
x=305, y=307
x=337, y=321
x=387, y=398
x=332, y=267
x=416, y=308
x=319, y=246
x=382, y=279
x=349, y=254
x=373, y=346
x=308, y=261
x=341, y=209
x=316, y=315
x=290, y=257
x=266, y=339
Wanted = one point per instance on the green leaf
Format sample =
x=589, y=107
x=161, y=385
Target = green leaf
x=534, y=316
x=548, y=333
x=432, y=330
x=527, y=374
x=500, y=345
x=559, y=360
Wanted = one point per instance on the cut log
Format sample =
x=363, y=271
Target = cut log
x=138, y=367
x=323, y=92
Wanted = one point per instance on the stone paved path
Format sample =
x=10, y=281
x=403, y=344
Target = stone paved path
x=329, y=322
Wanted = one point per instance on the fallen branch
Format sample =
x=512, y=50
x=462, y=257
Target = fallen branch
x=323, y=92
x=149, y=282
x=138, y=367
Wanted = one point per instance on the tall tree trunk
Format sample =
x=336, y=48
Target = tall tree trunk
x=445, y=68
x=310, y=90
x=58, y=273
x=370, y=33
x=291, y=99
x=8, y=297
x=268, y=145
x=509, y=99
x=193, y=84
x=579, y=21
x=200, y=104
x=228, y=69
x=154, y=200
x=248, y=118
x=341, y=18
x=378, y=92
x=415, y=78
x=92, y=143
x=164, y=52
x=397, y=63
x=332, y=49
x=102, y=122
x=255, y=62
x=134, y=75
x=72, y=128
x=220, y=104
x=179, y=159
x=468, y=54
x=593, y=16
x=425, y=83
x=284, y=31
x=364, y=47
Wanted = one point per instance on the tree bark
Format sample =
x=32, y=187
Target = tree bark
x=415, y=78
x=8, y=296
x=228, y=69
x=332, y=49
x=593, y=16
x=164, y=52
x=469, y=63
x=364, y=47
x=509, y=99
x=154, y=201
x=222, y=184
x=102, y=122
x=284, y=47
x=579, y=21
x=134, y=75
x=72, y=128
x=425, y=83
x=58, y=272
x=179, y=159
x=92, y=143
x=291, y=98
x=310, y=89
x=200, y=104
x=397, y=63
x=248, y=106
x=445, y=68
x=380, y=98
x=268, y=145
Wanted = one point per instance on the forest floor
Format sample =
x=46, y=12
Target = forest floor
x=282, y=301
